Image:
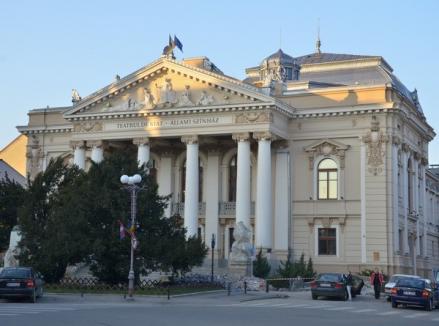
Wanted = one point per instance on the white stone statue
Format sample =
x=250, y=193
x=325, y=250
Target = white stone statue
x=75, y=96
x=13, y=250
x=149, y=101
x=242, y=247
x=205, y=99
x=185, y=98
x=168, y=97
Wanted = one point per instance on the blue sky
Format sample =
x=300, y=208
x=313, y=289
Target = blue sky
x=49, y=47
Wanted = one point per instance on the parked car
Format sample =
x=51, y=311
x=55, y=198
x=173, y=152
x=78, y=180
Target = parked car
x=16, y=282
x=392, y=281
x=416, y=292
x=334, y=285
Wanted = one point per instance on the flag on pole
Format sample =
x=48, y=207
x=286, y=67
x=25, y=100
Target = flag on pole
x=122, y=230
x=178, y=44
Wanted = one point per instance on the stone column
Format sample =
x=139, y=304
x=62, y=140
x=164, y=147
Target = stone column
x=143, y=151
x=264, y=223
x=424, y=208
x=97, y=150
x=243, y=179
x=191, y=185
x=282, y=200
x=405, y=180
x=79, y=154
x=165, y=178
x=395, y=191
x=363, y=165
x=212, y=179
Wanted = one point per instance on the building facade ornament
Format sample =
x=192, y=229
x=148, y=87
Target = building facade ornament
x=34, y=155
x=95, y=143
x=205, y=99
x=141, y=141
x=252, y=117
x=241, y=136
x=405, y=147
x=87, y=126
x=375, y=141
x=77, y=144
x=189, y=139
x=326, y=148
x=149, y=101
x=168, y=97
x=396, y=140
x=263, y=135
x=185, y=97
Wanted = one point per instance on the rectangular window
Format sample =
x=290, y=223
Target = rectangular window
x=401, y=241
x=231, y=238
x=327, y=241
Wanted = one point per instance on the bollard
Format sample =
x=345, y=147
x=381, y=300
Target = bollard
x=266, y=286
x=169, y=293
x=245, y=287
x=229, y=288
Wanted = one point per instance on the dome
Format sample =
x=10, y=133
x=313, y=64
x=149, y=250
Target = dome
x=279, y=57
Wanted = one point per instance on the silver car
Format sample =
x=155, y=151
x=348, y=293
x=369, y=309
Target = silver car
x=392, y=281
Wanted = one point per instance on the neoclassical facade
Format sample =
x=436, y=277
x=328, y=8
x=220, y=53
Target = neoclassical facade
x=323, y=154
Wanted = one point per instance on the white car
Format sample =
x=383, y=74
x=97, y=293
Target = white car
x=392, y=281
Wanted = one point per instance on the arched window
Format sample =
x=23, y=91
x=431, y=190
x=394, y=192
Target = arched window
x=327, y=179
x=232, y=178
x=200, y=181
x=410, y=185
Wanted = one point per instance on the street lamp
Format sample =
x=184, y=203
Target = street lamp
x=131, y=185
x=212, y=245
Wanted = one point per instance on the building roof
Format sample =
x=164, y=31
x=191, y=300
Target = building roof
x=314, y=58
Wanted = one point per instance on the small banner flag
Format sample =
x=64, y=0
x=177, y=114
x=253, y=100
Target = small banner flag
x=121, y=230
x=178, y=44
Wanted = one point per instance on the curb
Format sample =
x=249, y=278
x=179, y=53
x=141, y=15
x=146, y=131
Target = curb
x=276, y=296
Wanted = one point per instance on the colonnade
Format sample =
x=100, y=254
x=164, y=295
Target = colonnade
x=264, y=221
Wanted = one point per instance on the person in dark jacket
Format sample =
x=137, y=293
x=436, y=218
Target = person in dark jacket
x=376, y=280
x=349, y=283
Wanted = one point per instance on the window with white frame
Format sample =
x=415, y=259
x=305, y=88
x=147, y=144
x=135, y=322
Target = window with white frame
x=327, y=179
x=327, y=241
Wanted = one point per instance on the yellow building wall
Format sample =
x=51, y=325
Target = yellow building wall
x=15, y=154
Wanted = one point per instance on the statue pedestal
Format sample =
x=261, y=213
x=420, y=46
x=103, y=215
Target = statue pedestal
x=239, y=269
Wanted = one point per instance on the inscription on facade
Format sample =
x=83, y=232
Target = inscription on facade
x=163, y=123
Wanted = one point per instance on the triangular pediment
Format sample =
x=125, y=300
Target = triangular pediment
x=326, y=147
x=166, y=85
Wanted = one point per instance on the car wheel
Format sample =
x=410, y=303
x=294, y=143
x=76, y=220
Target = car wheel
x=429, y=305
x=314, y=297
x=394, y=304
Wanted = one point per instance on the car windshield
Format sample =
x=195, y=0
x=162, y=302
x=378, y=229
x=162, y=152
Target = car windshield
x=411, y=283
x=329, y=277
x=15, y=273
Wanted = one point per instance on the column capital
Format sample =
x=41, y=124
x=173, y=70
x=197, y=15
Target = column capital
x=263, y=135
x=141, y=141
x=396, y=140
x=77, y=144
x=189, y=139
x=95, y=143
x=241, y=136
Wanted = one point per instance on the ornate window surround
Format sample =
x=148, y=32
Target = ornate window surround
x=320, y=150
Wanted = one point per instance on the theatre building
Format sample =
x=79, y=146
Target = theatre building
x=322, y=154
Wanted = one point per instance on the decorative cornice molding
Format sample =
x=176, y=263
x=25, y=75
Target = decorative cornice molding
x=254, y=117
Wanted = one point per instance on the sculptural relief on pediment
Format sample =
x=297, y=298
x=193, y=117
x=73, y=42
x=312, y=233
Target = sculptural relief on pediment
x=168, y=91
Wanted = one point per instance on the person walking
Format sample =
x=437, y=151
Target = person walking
x=349, y=283
x=376, y=280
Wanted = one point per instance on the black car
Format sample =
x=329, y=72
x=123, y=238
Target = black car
x=334, y=285
x=19, y=282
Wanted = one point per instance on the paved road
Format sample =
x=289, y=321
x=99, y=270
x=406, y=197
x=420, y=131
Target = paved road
x=210, y=309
